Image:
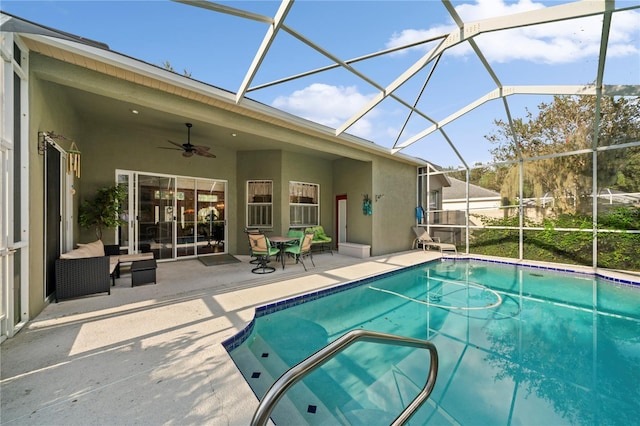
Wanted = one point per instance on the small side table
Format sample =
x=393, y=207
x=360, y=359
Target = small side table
x=143, y=272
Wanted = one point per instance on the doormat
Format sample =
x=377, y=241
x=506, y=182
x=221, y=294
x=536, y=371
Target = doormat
x=217, y=259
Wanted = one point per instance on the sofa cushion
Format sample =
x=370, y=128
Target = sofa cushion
x=94, y=249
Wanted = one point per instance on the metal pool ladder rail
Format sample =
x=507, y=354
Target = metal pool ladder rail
x=298, y=371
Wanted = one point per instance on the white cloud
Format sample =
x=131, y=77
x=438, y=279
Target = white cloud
x=553, y=43
x=483, y=9
x=328, y=105
x=625, y=29
x=408, y=36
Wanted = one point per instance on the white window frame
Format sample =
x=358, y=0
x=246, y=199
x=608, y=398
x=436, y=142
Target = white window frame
x=302, y=213
x=259, y=211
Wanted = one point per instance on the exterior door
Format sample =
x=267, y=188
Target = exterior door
x=53, y=217
x=210, y=216
x=156, y=215
x=58, y=220
x=341, y=219
x=126, y=234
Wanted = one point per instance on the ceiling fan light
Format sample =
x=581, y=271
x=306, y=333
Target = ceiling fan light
x=190, y=149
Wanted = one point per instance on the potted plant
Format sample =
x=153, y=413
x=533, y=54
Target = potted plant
x=105, y=210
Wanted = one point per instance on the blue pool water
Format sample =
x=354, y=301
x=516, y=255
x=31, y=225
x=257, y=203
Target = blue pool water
x=516, y=345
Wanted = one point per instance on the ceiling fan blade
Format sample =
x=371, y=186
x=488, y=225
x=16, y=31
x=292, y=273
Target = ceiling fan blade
x=201, y=147
x=182, y=146
x=205, y=154
x=172, y=149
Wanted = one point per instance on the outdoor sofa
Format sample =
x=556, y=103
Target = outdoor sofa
x=92, y=268
x=84, y=271
x=320, y=238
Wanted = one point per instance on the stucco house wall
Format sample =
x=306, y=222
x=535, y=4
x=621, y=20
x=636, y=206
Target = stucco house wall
x=304, y=168
x=353, y=178
x=256, y=165
x=394, y=211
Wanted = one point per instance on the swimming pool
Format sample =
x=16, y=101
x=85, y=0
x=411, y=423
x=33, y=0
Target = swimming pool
x=516, y=345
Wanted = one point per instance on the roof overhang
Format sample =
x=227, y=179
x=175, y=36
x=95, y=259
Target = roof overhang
x=99, y=58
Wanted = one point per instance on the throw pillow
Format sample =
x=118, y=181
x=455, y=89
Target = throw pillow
x=95, y=248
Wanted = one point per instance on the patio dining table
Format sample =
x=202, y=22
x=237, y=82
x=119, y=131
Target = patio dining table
x=281, y=242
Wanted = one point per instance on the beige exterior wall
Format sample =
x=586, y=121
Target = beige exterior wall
x=106, y=147
x=304, y=168
x=394, y=212
x=388, y=229
x=282, y=167
x=49, y=112
x=256, y=165
x=353, y=178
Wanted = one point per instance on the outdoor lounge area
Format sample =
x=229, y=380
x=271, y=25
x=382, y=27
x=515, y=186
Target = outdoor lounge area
x=93, y=268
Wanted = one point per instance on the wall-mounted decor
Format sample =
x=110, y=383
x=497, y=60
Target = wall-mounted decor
x=366, y=205
x=73, y=160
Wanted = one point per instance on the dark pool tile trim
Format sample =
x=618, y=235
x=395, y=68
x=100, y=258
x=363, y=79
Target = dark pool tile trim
x=235, y=341
x=556, y=269
x=308, y=297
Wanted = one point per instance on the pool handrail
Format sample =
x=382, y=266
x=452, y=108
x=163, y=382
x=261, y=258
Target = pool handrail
x=300, y=370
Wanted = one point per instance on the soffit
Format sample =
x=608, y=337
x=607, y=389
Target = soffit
x=332, y=148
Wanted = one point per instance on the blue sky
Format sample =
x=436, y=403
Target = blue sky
x=218, y=49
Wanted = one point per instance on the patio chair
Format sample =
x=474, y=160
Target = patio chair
x=261, y=248
x=295, y=233
x=254, y=260
x=423, y=237
x=302, y=249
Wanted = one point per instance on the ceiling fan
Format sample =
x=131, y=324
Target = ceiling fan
x=190, y=149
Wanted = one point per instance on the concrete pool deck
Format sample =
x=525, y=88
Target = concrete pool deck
x=152, y=354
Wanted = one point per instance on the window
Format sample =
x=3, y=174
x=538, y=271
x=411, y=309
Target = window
x=434, y=205
x=304, y=207
x=259, y=204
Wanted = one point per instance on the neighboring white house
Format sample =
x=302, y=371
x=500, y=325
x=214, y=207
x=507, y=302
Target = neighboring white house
x=482, y=201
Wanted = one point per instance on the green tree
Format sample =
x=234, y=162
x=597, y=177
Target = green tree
x=105, y=210
x=627, y=178
x=564, y=125
x=488, y=177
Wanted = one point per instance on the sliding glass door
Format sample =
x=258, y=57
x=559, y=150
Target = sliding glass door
x=156, y=215
x=173, y=216
x=210, y=216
